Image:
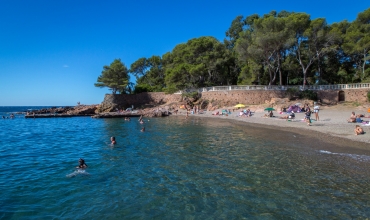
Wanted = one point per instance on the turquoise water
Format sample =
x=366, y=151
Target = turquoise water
x=177, y=169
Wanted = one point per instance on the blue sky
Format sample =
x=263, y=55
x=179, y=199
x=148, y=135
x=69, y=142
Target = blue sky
x=51, y=52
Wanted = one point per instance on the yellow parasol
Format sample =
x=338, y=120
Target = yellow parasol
x=239, y=106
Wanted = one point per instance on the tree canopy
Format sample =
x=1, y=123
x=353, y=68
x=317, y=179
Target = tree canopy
x=278, y=48
x=115, y=77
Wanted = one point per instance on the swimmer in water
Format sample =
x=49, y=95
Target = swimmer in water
x=113, y=140
x=143, y=129
x=82, y=164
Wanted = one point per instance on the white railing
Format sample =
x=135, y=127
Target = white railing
x=267, y=87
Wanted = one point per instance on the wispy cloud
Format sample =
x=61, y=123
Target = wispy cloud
x=65, y=66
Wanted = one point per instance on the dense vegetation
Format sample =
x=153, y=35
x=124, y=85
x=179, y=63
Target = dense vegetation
x=273, y=49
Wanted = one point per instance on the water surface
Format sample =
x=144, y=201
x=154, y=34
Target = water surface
x=178, y=169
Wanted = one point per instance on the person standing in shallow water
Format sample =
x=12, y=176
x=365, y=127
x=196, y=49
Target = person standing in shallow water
x=113, y=140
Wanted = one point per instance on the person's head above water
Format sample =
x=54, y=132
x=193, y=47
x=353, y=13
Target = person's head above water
x=113, y=140
x=81, y=163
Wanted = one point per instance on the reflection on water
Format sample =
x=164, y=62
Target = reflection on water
x=195, y=168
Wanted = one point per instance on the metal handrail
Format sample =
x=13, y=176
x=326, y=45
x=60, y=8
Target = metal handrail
x=279, y=88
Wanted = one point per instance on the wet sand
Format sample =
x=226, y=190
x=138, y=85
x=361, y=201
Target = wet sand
x=332, y=127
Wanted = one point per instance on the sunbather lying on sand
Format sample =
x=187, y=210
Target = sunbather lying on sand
x=291, y=116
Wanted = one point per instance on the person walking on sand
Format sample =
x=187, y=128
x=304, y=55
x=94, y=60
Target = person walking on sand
x=316, y=109
x=359, y=130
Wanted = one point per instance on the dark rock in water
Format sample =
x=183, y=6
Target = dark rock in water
x=77, y=110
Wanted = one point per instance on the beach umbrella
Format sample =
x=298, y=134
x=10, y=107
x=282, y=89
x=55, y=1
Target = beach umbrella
x=239, y=106
x=270, y=109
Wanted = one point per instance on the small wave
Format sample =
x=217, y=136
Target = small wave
x=326, y=152
x=353, y=156
x=76, y=173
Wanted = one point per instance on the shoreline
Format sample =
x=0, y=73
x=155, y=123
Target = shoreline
x=331, y=128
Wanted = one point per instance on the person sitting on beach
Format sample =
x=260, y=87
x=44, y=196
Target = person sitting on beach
x=82, y=164
x=269, y=115
x=113, y=140
x=249, y=113
x=142, y=129
x=216, y=113
x=358, y=119
x=358, y=130
x=352, y=119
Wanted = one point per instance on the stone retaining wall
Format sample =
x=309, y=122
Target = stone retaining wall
x=250, y=97
x=226, y=98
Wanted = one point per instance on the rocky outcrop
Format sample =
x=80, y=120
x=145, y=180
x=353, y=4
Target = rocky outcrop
x=77, y=110
x=114, y=102
x=83, y=110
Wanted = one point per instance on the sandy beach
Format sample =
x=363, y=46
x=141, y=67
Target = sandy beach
x=332, y=126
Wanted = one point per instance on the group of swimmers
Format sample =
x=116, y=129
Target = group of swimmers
x=11, y=116
x=83, y=165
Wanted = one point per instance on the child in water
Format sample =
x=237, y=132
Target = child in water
x=82, y=164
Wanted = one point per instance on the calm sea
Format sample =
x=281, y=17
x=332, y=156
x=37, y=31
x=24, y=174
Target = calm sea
x=178, y=169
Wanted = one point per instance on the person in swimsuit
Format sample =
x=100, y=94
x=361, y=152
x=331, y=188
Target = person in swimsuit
x=308, y=116
x=82, y=164
x=359, y=130
x=113, y=140
x=316, y=109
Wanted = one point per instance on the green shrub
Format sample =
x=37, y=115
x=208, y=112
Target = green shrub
x=308, y=94
x=193, y=95
x=293, y=91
